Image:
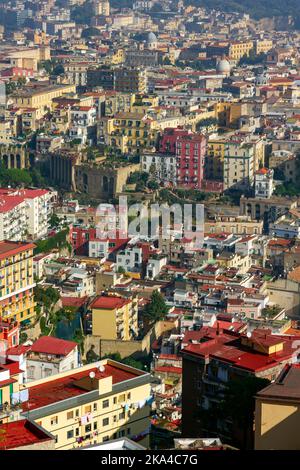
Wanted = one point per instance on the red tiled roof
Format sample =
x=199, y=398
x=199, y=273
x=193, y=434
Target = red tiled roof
x=6, y=382
x=51, y=345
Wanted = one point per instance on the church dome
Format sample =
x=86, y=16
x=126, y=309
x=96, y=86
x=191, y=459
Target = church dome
x=223, y=66
x=151, y=38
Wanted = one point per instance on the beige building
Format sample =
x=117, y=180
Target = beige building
x=40, y=98
x=238, y=165
x=114, y=317
x=92, y=404
x=238, y=225
x=28, y=58
x=277, y=413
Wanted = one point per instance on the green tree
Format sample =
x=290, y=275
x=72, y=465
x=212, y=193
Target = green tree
x=54, y=220
x=79, y=339
x=157, y=308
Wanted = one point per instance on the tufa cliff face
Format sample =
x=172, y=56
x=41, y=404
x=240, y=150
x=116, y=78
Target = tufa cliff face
x=280, y=23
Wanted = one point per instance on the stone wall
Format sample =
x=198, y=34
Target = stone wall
x=128, y=348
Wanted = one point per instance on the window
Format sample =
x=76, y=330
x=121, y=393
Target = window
x=54, y=420
x=95, y=407
x=70, y=415
x=121, y=398
x=95, y=425
x=105, y=422
x=88, y=409
x=122, y=415
x=70, y=434
x=77, y=413
x=88, y=428
x=105, y=404
x=105, y=439
x=77, y=432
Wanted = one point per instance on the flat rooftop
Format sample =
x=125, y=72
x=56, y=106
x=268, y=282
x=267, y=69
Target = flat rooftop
x=286, y=387
x=9, y=248
x=75, y=384
x=21, y=433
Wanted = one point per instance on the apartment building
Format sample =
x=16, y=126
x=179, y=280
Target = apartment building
x=237, y=49
x=216, y=357
x=190, y=155
x=132, y=80
x=130, y=259
x=214, y=161
x=132, y=131
x=25, y=213
x=40, y=98
x=76, y=71
x=13, y=220
x=264, y=186
x=162, y=165
x=93, y=404
x=83, y=119
x=16, y=274
x=238, y=165
x=114, y=317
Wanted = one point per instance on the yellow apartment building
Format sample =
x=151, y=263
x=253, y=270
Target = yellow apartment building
x=16, y=281
x=263, y=46
x=114, y=317
x=92, y=404
x=238, y=49
x=140, y=131
x=277, y=413
x=40, y=98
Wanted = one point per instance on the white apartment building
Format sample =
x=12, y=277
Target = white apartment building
x=130, y=259
x=163, y=166
x=98, y=248
x=82, y=117
x=13, y=220
x=24, y=213
x=264, y=183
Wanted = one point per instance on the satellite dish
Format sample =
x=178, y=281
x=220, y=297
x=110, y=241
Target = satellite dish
x=92, y=375
x=101, y=368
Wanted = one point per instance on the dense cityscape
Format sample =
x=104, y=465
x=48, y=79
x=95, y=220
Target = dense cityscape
x=149, y=225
